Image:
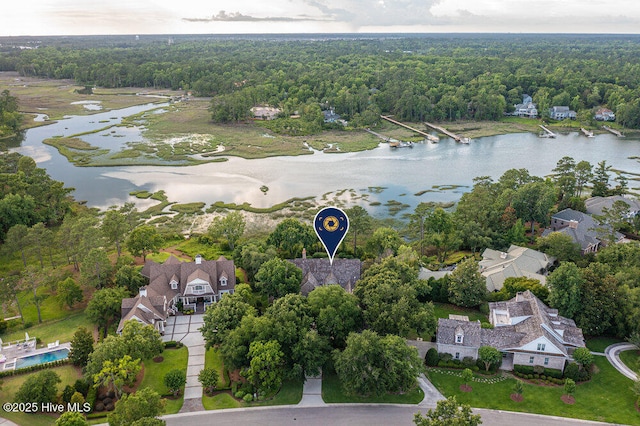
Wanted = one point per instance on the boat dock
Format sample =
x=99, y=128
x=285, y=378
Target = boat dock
x=444, y=131
x=383, y=137
x=547, y=133
x=587, y=133
x=614, y=131
x=428, y=136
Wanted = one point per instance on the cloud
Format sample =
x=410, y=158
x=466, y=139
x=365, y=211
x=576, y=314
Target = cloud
x=223, y=16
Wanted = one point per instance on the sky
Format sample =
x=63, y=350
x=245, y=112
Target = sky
x=84, y=17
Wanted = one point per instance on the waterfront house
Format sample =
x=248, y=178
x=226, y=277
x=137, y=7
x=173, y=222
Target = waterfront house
x=561, y=113
x=604, y=114
x=526, y=109
x=596, y=205
x=525, y=331
x=581, y=227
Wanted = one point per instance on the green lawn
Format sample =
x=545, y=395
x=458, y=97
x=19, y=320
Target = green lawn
x=599, y=344
x=50, y=331
x=442, y=310
x=607, y=397
x=631, y=359
x=332, y=392
x=213, y=359
x=10, y=385
x=220, y=401
x=154, y=373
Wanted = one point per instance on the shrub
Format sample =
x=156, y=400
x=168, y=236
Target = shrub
x=67, y=393
x=240, y=394
x=552, y=372
x=170, y=344
x=431, y=358
x=523, y=369
x=538, y=369
x=248, y=398
x=468, y=361
x=446, y=356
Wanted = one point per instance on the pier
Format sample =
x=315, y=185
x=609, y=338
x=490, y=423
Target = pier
x=614, y=131
x=428, y=136
x=587, y=133
x=547, y=133
x=444, y=131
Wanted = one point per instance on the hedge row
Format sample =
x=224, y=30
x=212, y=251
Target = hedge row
x=9, y=373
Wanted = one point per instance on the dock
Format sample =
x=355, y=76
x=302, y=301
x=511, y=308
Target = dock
x=587, y=133
x=428, y=136
x=614, y=131
x=383, y=137
x=547, y=133
x=444, y=131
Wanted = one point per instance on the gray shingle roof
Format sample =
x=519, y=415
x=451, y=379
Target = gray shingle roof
x=316, y=272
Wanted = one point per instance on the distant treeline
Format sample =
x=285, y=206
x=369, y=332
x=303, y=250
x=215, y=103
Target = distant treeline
x=438, y=77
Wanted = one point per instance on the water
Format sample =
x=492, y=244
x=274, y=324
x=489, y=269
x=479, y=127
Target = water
x=403, y=172
x=43, y=358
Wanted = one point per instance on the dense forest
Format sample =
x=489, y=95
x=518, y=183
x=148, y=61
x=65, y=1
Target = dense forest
x=422, y=77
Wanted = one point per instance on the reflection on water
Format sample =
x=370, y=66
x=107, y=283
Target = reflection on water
x=404, y=172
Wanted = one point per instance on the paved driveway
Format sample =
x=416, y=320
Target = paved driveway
x=185, y=329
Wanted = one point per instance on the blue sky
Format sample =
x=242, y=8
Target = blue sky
x=77, y=17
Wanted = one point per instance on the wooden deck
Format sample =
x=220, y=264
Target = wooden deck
x=428, y=136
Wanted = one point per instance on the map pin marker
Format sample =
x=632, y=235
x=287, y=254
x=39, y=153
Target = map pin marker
x=331, y=225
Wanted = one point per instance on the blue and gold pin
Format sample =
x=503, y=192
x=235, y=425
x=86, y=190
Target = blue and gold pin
x=331, y=225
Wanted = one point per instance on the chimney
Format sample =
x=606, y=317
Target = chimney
x=304, y=253
x=198, y=259
x=143, y=291
x=573, y=224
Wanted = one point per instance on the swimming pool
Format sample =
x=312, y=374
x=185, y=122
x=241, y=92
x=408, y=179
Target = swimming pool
x=43, y=358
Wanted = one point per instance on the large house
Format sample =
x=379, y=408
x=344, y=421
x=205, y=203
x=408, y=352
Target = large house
x=319, y=272
x=604, y=114
x=193, y=285
x=496, y=266
x=561, y=113
x=526, y=109
x=526, y=331
x=596, y=205
x=581, y=227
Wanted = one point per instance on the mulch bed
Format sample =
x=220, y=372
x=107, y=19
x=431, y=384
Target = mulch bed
x=466, y=388
x=517, y=397
x=159, y=358
x=568, y=399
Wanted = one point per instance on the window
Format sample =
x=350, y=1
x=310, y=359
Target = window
x=459, y=338
x=174, y=285
x=223, y=281
x=198, y=288
x=457, y=355
x=541, y=346
x=531, y=358
x=546, y=361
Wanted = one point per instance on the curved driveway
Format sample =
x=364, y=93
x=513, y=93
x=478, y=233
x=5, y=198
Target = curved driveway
x=613, y=355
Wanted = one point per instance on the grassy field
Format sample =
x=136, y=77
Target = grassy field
x=60, y=329
x=55, y=97
x=154, y=373
x=10, y=385
x=607, y=397
x=442, y=310
x=332, y=392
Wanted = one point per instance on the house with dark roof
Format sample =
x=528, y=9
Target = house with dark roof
x=194, y=285
x=526, y=331
x=496, y=266
x=581, y=227
x=320, y=272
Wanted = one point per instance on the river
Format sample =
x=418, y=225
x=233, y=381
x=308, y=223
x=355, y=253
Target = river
x=403, y=172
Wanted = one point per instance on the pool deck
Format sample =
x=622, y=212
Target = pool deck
x=13, y=352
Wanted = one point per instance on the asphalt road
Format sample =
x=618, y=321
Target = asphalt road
x=351, y=415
